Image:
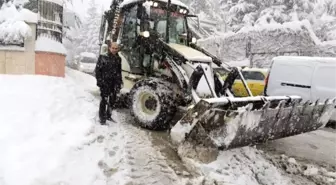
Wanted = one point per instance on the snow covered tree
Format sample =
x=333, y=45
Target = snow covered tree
x=204, y=8
x=4, y=1
x=238, y=13
x=87, y=39
x=200, y=5
x=31, y=5
x=241, y=13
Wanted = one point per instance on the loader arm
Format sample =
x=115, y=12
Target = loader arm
x=214, y=58
x=234, y=72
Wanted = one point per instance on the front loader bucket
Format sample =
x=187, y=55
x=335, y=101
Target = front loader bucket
x=228, y=123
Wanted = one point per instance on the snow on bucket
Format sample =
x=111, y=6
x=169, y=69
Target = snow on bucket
x=241, y=122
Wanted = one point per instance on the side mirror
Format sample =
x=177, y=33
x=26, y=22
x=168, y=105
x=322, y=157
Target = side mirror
x=191, y=38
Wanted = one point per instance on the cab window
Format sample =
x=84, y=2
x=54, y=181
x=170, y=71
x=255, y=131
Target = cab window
x=177, y=25
x=129, y=29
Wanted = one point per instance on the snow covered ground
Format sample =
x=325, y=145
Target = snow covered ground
x=49, y=135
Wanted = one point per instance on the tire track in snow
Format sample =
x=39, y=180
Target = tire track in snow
x=141, y=162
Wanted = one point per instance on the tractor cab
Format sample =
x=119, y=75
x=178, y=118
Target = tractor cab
x=136, y=25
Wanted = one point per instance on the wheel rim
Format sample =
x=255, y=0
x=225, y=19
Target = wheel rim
x=148, y=103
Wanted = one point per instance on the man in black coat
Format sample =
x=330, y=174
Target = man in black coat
x=109, y=80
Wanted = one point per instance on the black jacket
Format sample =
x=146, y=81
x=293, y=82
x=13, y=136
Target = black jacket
x=108, y=71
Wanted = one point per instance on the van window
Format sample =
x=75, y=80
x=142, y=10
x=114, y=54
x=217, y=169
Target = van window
x=88, y=60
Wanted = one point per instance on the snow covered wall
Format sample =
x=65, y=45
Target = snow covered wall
x=267, y=41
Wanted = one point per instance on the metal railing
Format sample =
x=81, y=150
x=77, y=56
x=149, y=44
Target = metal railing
x=50, y=23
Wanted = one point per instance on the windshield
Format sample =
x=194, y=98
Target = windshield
x=177, y=24
x=88, y=60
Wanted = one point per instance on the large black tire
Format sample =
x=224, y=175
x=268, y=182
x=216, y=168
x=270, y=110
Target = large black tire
x=152, y=104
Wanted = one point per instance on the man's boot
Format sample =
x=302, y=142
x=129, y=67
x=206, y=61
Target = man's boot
x=111, y=119
x=103, y=122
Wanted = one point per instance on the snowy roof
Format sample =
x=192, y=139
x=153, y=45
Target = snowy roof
x=48, y=45
x=175, y=2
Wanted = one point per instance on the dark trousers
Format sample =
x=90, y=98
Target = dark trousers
x=107, y=103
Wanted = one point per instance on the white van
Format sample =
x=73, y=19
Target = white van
x=311, y=78
x=86, y=62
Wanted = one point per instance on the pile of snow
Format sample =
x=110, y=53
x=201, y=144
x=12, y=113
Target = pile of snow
x=317, y=174
x=13, y=26
x=28, y=16
x=239, y=167
x=266, y=41
x=42, y=119
x=46, y=44
x=86, y=81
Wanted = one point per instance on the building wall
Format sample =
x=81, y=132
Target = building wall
x=17, y=60
x=51, y=64
x=50, y=26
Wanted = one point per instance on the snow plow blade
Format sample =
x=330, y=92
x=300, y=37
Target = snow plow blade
x=227, y=123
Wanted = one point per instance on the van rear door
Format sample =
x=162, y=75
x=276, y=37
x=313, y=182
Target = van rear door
x=288, y=77
x=324, y=81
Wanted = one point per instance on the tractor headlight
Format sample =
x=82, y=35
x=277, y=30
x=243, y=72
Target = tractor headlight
x=155, y=4
x=183, y=11
x=193, y=40
x=146, y=34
